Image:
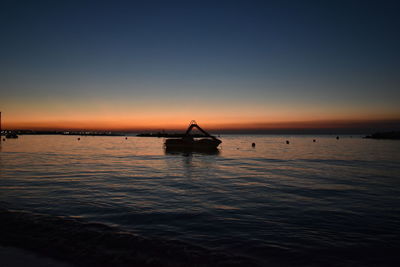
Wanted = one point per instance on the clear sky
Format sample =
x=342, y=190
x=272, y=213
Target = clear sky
x=159, y=64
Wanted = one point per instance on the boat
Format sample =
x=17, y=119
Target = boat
x=11, y=135
x=188, y=141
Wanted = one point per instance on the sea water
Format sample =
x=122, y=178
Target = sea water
x=275, y=202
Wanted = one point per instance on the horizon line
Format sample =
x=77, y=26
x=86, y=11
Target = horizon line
x=256, y=127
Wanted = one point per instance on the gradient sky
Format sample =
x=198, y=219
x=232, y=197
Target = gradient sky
x=160, y=64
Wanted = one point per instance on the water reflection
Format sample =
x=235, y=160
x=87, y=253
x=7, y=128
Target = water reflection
x=189, y=153
x=238, y=198
x=194, y=163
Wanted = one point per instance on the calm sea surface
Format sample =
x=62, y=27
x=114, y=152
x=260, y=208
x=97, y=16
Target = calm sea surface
x=332, y=197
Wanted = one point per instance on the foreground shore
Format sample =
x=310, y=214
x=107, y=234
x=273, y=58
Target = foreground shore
x=79, y=243
x=15, y=257
x=43, y=240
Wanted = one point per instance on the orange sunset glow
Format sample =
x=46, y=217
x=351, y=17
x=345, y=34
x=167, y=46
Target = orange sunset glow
x=217, y=77
x=172, y=114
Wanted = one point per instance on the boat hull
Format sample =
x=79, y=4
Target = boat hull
x=202, y=144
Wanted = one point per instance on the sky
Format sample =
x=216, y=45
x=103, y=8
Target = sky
x=136, y=65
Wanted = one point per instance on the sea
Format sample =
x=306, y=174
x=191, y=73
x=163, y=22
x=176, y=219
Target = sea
x=315, y=201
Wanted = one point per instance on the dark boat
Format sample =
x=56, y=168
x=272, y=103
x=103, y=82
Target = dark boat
x=11, y=135
x=188, y=142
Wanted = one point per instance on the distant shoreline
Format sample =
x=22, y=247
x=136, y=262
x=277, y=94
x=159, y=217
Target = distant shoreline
x=80, y=133
x=366, y=134
x=394, y=135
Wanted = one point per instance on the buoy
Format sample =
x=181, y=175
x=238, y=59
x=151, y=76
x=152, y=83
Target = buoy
x=314, y=140
x=287, y=141
x=337, y=137
x=4, y=139
x=79, y=139
x=253, y=144
x=126, y=138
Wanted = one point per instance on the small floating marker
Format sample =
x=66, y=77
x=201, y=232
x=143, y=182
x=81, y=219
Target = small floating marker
x=4, y=139
x=79, y=138
x=126, y=138
x=337, y=137
x=253, y=144
x=287, y=141
x=314, y=140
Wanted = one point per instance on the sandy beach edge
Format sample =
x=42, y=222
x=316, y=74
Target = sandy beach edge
x=16, y=257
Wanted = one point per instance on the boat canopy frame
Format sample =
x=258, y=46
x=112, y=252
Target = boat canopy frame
x=193, y=124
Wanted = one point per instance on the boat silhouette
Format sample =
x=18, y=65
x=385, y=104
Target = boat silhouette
x=188, y=141
x=11, y=135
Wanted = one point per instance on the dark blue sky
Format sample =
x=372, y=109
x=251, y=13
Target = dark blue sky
x=242, y=59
